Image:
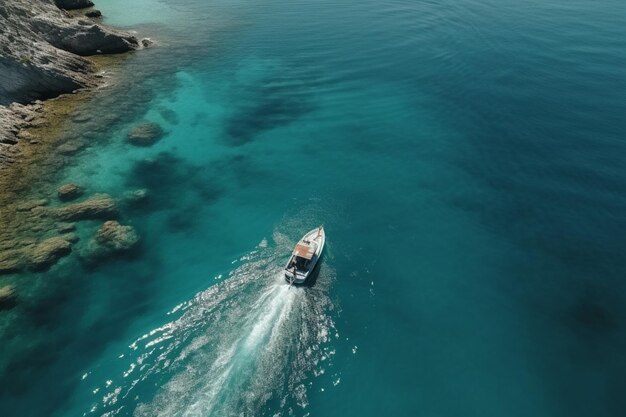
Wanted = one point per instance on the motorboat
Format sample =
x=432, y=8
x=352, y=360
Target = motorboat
x=305, y=256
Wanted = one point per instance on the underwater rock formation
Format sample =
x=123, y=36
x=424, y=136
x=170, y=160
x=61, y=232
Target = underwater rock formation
x=114, y=236
x=65, y=227
x=110, y=239
x=145, y=134
x=43, y=50
x=8, y=297
x=23, y=249
x=31, y=204
x=68, y=192
x=98, y=206
x=70, y=148
x=35, y=256
x=135, y=198
x=9, y=261
x=48, y=252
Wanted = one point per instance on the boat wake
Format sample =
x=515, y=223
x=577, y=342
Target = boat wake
x=244, y=347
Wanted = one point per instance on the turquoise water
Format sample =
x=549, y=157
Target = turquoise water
x=465, y=158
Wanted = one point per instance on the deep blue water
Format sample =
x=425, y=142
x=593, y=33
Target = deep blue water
x=466, y=159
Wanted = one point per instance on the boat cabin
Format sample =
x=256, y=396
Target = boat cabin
x=305, y=256
x=302, y=255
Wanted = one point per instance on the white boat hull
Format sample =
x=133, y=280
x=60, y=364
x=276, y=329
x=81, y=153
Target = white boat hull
x=305, y=256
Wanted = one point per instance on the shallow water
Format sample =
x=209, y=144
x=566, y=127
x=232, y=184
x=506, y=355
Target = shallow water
x=465, y=159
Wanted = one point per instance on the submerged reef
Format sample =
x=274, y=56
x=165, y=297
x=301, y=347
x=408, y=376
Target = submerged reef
x=68, y=192
x=24, y=248
x=99, y=206
x=7, y=297
x=48, y=49
x=111, y=238
x=145, y=134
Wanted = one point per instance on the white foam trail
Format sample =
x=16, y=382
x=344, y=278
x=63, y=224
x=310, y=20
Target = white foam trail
x=272, y=314
x=265, y=315
x=235, y=346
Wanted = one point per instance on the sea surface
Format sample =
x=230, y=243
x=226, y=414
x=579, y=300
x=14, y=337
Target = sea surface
x=466, y=158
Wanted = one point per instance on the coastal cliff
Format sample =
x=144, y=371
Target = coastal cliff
x=43, y=52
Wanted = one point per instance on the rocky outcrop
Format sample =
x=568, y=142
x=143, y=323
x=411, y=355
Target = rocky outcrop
x=98, y=206
x=48, y=252
x=8, y=297
x=116, y=237
x=23, y=249
x=111, y=238
x=93, y=13
x=65, y=227
x=68, y=192
x=32, y=61
x=88, y=38
x=83, y=37
x=13, y=119
x=36, y=256
x=10, y=261
x=31, y=204
x=145, y=134
x=40, y=58
x=71, y=237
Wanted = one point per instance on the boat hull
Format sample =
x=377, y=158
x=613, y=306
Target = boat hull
x=315, y=237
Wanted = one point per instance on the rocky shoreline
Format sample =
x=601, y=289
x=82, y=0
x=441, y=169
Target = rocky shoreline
x=47, y=70
x=44, y=52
